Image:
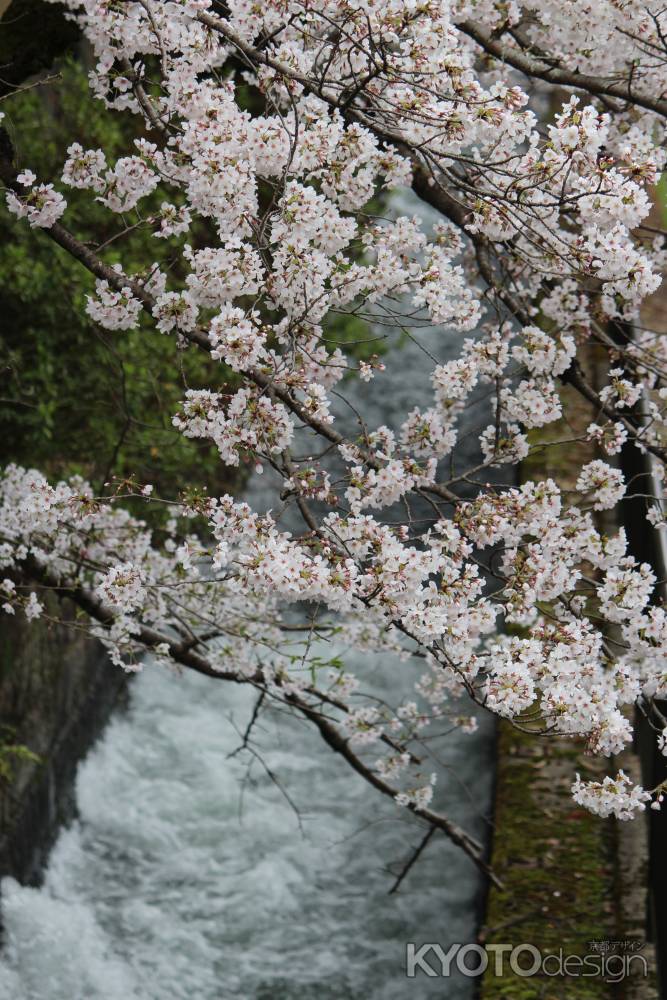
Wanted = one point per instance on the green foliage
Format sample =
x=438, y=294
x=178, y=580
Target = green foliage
x=354, y=336
x=12, y=754
x=661, y=198
x=75, y=398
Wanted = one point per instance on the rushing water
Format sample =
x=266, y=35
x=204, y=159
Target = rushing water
x=188, y=875
x=194, y=874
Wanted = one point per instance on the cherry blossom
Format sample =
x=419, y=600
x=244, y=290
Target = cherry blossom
x=40, y=204
x=280, y=214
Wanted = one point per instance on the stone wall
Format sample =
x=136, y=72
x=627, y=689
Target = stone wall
x=57, y=690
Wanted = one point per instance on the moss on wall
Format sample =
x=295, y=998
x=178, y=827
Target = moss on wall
x=556, y=861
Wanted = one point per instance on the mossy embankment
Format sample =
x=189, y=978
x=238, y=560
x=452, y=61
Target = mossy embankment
x=557, y=865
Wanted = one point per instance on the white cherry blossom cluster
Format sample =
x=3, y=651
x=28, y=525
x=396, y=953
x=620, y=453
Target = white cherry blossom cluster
x=40, y=204
x=616, y=796
x=113, y=308
x=277, y=215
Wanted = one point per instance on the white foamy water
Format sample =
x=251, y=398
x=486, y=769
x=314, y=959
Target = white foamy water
x=189, y=875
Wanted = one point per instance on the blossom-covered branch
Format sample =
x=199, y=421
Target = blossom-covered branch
x=280, y=211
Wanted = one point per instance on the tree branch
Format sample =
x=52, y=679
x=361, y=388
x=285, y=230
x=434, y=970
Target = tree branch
x=552, y=73
x=181, y=653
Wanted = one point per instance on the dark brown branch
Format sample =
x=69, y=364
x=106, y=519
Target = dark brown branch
x=243, y=745
x=413, y=858
x=181, y=652
x=339, y=744
x=554, y=74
